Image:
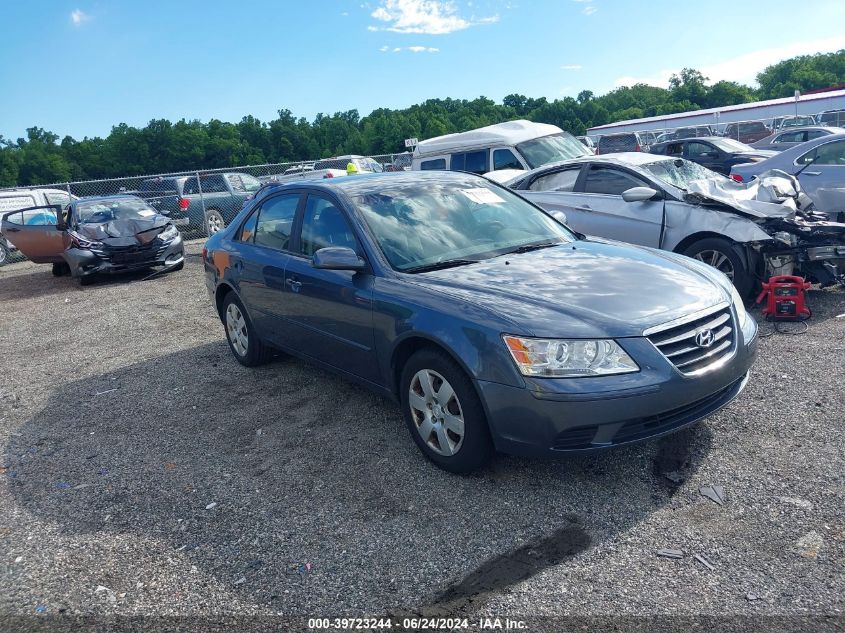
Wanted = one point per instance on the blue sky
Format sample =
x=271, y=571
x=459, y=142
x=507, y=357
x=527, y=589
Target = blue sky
x=82, y=66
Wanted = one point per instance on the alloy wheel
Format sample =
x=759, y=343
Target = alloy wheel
x=436, y=412
x=215, y=223
x=717, y=260
x=236, y=328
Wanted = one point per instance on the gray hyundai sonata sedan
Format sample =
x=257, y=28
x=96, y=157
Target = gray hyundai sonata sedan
x=492, y=324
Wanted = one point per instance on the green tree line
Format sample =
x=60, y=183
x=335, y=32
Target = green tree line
x=162, y=146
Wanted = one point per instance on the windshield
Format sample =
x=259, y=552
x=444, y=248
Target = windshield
x=106, y=210
x=797, y=121
x=730, y=145
x=424, y=223
x=551, y=149
x=680, y=172
x=368, y=164
x=251, y=183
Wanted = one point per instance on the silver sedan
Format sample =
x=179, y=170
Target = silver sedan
x=785, y=138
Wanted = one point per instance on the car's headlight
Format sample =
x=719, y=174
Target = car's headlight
x=739, y=306
x=568, y=358
x=168, y=233
x=83, y=242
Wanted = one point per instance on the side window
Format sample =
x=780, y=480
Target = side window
x=437, y=163
x=190, y=187
x=324, y=225
x=556, y=181
x=236, y=183
x=610, y=181
x=504, y=159
x=675, y=149
x=814, y=134
x=790, y=137
x=831, y=154
x=16, y=202
x=475, y=162
x=698, y=149
x=248, y=228
x=213, y=184
x=39, y=216
x=275, y=221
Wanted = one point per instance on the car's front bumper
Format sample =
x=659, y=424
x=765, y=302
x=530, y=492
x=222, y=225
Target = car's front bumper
x=551, y=417
x=84, y=262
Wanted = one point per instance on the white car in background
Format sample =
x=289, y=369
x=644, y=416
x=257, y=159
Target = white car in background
x=14, y=199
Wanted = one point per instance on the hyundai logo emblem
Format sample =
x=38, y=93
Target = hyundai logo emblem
x=704, y=338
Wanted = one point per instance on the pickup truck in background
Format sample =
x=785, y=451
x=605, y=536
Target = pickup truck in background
x=223, y=195
x=178, y=197
x=164, y=194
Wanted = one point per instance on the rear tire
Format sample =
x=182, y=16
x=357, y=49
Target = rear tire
x=86, y=280
x=214, y=222
x=722, y=255
x=5, y=253
x=60, y=269
x=247, y=348
x=444, y=413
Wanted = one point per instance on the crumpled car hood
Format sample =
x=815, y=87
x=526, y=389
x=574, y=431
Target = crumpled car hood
x=124, y=232
x=771, y=195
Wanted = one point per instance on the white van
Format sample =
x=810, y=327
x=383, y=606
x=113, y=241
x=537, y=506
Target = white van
x=14, y=199
x=513, y=145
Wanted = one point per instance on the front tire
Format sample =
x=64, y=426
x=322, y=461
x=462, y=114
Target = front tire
x=723, y=256
x=444, y=413
x=246, y=347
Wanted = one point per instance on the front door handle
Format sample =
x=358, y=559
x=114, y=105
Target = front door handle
x=812, y=173
x=12, y=229
x=294, y=284
x=584, y=208
x=239, y=265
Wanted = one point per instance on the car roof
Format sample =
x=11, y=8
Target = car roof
x=509, y=133
x=366, y=182
x=117, y=196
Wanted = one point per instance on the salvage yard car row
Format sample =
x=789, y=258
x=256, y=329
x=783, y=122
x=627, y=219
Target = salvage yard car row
x=503, y=316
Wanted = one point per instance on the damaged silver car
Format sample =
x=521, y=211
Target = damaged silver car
x=748, y=231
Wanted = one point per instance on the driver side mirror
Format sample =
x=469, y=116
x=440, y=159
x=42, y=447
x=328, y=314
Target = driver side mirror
x=638, y=194
x=337, y=258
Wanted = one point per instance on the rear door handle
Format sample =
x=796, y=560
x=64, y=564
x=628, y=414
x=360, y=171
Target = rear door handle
x=812, y=173
x=12, y=229
x=239, y=265
x=584, y=208
x=294, y=284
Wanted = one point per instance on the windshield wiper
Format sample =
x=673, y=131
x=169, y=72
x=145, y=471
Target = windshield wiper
x=448, y=263
x=536, y=246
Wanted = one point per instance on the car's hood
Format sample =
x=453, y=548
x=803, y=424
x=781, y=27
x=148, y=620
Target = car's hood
x=590, y=288
x=772, y=195
x=124, y=232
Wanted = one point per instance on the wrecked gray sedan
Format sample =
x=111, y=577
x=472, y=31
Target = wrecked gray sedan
x=108, y=234
x=747, y=231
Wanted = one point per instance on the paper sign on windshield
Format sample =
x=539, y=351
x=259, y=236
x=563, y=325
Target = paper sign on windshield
x=482, y=196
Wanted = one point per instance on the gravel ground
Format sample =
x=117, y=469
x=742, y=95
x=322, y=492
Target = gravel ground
x=145, y=472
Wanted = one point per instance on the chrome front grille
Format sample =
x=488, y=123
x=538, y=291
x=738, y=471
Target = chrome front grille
x=695, y=345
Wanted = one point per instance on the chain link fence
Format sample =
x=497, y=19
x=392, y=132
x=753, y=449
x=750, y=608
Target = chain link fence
x=198, y=202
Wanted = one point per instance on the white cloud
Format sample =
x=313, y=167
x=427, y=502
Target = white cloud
x=589, y=10
x=78, y=16
x=411, y=49
x=571, y=67
x=431, y=17
x=744, y=68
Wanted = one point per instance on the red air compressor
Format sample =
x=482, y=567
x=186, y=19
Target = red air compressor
x=785, y=300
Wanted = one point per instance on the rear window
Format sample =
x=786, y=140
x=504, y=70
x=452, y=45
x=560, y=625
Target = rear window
x=618, y=143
